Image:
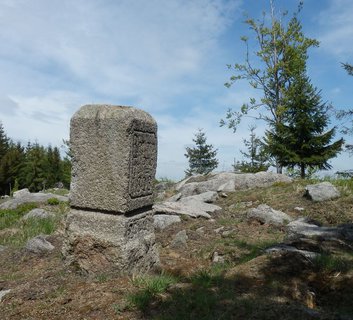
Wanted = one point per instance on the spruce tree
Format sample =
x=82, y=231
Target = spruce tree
x=302, y=139
x=202, y=157
x=256, y=155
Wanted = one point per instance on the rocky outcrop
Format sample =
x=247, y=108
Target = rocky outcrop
x=321, y=191
x=228, y=182
x=24, y=196
x=193, y=206
x=266, y=215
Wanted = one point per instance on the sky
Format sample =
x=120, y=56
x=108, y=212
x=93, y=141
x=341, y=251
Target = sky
x=168, y=58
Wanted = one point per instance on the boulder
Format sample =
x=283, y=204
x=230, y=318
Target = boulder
x=39, y=244
x=180, y=240
x=228, y=182
x=265, y=214
x=161, y=221
x=26, y=197
x=38, y=214
x=321, y=191
x=2, y=248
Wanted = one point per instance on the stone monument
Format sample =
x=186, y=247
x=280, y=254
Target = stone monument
x=110, y=226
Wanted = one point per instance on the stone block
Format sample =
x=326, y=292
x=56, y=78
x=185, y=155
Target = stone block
x=114, y=158
x=97, y=242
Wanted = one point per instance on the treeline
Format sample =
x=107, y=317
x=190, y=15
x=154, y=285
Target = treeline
x=32, y=166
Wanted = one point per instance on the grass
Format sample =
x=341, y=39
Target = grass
x=10, y=217
x=60, y=192
x=329, y=263
x=148, y=288
x=21, y=230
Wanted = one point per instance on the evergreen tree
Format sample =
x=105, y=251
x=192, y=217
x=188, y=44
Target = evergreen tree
x=256, y=155
x=11, y=165
x=281, y=53
x=202, y=157
x=302, y=138
x=35, y=167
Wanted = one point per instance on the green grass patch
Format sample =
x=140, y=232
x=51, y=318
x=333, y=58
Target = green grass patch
x=9, y=217
x=16, y=231
x=53, y=201
x=148, y=288
x=60, y=192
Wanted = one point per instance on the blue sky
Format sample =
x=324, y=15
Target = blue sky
x=166, y=57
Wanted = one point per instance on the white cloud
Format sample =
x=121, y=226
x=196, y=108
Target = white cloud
x=336, y=28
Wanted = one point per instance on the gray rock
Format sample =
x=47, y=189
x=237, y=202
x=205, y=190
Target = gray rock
x=21, y=193
x=301, y=228
x=38, y=214
x=180, y=240
x=229, y=181
x=217, y=258
x=286, y=248
x=265, y=214
x=114, y=158
x=321, y=192
x=2, y=248
x=39, y=244
x=25, y=197
x=161, y=221
x=3, y=293
x=192, y=206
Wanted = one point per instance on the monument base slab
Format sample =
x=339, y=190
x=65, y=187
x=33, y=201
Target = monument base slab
x=98, y=242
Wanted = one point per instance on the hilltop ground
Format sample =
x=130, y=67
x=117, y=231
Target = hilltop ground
x=244, y=284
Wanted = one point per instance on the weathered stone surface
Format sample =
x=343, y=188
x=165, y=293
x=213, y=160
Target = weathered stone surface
x=180, y=240
x=97, y=242
x=282, y=248
x=161, y=221
x=38, y=214
x=3, y=293
x=21, y=193
x=25, y=197
x=39, y=244
x=301, y=228
x=114, y=158
x=187, y=206
x=321, y=191
x=228, y=182
x=265, y=214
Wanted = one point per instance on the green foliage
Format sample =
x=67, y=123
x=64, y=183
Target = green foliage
x=256, y=155
x=281, y=53
x=34, y=167
x=302, y=139
x=53, y=201
x=202, y=157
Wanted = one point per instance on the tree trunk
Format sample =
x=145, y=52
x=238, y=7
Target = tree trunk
x=302, y=170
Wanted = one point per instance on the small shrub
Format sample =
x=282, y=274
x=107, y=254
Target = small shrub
x=53, y=201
